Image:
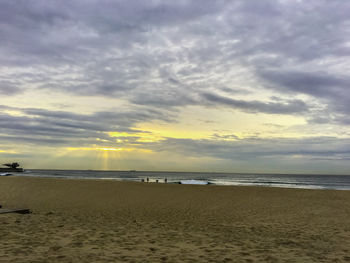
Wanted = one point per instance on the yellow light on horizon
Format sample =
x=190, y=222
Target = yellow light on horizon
x=93, y=149
x=7, y=151
x=142, y=137
x=157, y=133
x=108, y=149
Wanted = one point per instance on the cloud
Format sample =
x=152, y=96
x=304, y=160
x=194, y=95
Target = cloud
x=168, y=54
x=251, y=149
x=289, y=107
x=319, y=84
x=45, y=128
x=157, y=58
x=332, y=89
x=9, y=88
x=42, y=127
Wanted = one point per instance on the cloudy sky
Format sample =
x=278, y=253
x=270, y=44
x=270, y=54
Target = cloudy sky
x=235, y=86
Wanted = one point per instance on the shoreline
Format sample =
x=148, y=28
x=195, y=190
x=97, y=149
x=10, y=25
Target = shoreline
x=117, y=221
x=209, y=182
x=192, y=172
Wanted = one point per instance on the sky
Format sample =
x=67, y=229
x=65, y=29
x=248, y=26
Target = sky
x=215, y=86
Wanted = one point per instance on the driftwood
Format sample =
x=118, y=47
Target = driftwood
x=18, y=211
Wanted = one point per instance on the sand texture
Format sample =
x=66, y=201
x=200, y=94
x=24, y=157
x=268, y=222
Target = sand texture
x=109, y=221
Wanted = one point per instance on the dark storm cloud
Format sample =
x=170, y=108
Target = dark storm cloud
x=8, y=88
x=317, y=84
x=255, y=149
x=34, y=140
x=43, y=127
x=169, y=53
x=164, y=99
x=52, y=30
x=314, y=83
x=290, y=107
x=104, y=118
x=64, y=129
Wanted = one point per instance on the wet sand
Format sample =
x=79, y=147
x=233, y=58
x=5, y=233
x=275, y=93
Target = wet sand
x=110, y=221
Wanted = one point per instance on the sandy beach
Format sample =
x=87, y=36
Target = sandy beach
x=110, y=221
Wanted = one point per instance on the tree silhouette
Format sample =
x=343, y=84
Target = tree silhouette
x=12, y=165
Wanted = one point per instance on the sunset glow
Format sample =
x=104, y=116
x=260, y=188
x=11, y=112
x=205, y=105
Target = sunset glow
x=228, y=86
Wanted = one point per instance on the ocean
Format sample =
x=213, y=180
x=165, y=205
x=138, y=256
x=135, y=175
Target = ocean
x=303, y=181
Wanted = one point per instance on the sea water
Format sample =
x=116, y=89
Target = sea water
x=304, y=181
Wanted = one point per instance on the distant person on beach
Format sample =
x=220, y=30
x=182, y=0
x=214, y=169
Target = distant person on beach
x=165, y=180
x=142, y=180
x=157, y=181
x=147, y=180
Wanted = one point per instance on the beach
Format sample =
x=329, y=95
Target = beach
x=111, y=221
